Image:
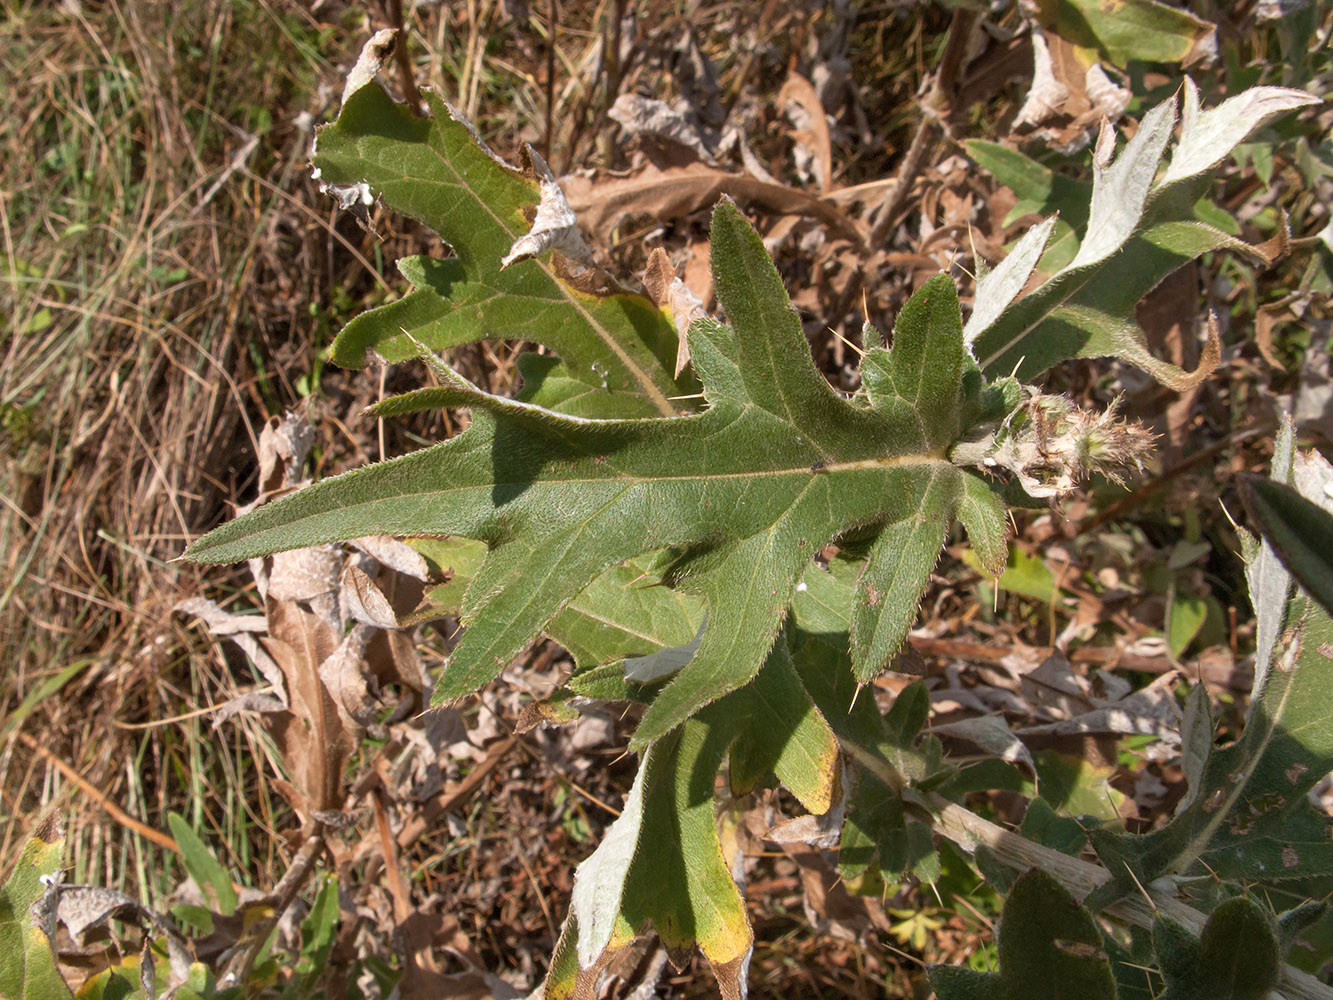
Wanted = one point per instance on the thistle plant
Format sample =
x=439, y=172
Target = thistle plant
x=693, y=530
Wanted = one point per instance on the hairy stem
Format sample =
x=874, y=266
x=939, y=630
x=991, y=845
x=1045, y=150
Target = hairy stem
x=969, y=831
x=242, y=959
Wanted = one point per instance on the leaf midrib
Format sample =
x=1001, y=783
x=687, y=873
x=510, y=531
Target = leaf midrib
x=923, y=458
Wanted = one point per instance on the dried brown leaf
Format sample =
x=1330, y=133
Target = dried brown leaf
x=554, y=227
x=812, y=132
x=601, y=201
x=1069, y=95
x=639, y=115
x=220, y=622
x=362, y=601
x=1266, y=320
x=393, y=554
x=85, y=908
x=284, y=444
x=671, y=295
x=305, y=574
x=314, y=741
x=343, y=677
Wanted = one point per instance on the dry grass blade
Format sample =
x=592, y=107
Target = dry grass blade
x=148, y=277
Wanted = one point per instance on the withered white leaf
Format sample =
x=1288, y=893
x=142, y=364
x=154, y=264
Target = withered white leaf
x=555, y=226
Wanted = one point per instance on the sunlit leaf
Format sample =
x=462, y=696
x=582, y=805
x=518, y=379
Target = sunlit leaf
x=28, y=920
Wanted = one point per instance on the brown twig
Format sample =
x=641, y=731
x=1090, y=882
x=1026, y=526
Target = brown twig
x=614, y=70
x=394, y=10
x=1110, y=659
x=98, y=796
x=451, y=796
x=934, y=106
x=242, y=959
x=552, y=21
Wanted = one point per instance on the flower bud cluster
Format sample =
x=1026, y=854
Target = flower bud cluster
x=1051, y=444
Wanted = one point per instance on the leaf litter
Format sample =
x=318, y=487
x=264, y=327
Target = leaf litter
x=315, y=596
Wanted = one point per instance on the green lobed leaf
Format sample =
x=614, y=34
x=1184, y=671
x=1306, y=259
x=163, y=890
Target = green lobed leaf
x=1267, y=578
x=1247, y=815
x=744, y=494
x=318, y=931
x=1250, y=818
x=956, y=982
x=1121, y=31
x=1141, y=227
x=1236, y=957
x=1239, y=956
x=1301, y=533
x=599, y=883
x=28, y=968
x=784, y=734
x=616, y=348
x=1042, y=825
x=878, y=835
x=626, y=612
x=661, y=864
x=1050, y=948
x=889, y=590
x=1039, y=190
x=1177, y=949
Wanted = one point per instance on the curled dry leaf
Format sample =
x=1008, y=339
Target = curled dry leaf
x=343, y=677
x=221, y=622
x=315, y=740
x=363, y=602
x=371, y=58
x=84, y=908
x=602, y=200
x=639, y=115
x=554, y=226
x=1069, y=95
x=305, y=574
x=284, y=443
x=811, y=132
x=672, y=296
x=392, y=554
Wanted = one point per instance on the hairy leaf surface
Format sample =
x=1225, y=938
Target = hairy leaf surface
x=28, y=920
x=616, y=348
x=743, y=494
x=1050, y=949
x=1139, y=230
x=1248, y=815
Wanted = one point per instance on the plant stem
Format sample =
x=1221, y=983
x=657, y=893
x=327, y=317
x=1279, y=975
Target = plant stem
x=969, y=831
x=242, y=959
x=394, y=10
x=934, y=106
